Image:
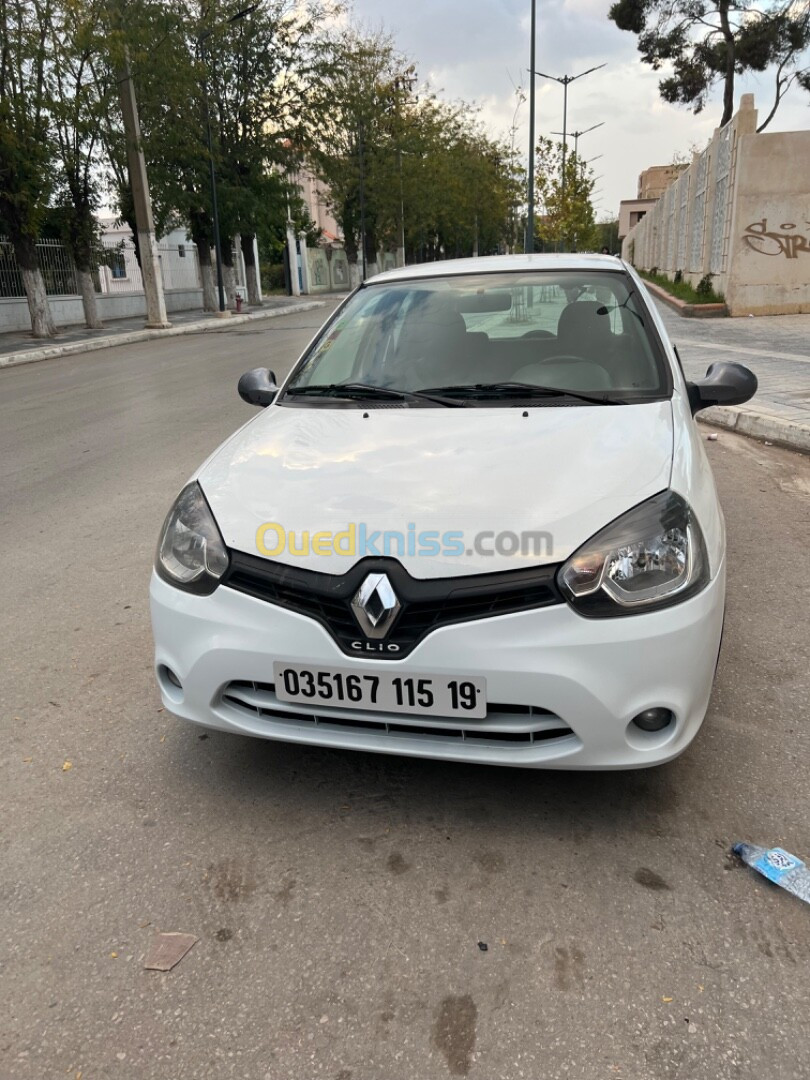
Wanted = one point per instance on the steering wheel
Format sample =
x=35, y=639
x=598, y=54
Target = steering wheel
x=565, y=358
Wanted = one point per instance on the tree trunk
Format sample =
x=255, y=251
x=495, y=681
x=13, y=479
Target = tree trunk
x=229, y=280
x=728, y=78
x=42, y=325
x=83, y=258
x=251, y=271
x=209, y=287
x=92, y=319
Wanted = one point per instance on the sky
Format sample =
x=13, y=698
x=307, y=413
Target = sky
x=478, y=50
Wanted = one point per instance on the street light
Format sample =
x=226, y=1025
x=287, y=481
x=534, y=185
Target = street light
x=528, y=240
x=576, y=135
x=362, y=196
x=564, y=81
x=201, y=40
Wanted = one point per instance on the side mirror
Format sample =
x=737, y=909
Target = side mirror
x=726, y=383
x=258, y=387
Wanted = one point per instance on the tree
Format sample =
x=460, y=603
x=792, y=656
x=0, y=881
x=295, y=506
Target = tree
x=261, y=72
x=357, y=99
x=567, y=219
x=607, y=235
x=397, y=162
x=194, y=63
x=162, y=44
x=26, y=169
x=710, y=42
x=79, y=93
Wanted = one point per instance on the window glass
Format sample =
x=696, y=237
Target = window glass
x=572, y=330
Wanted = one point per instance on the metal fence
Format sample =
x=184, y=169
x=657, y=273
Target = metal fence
x=58, y=271
x=117, y=270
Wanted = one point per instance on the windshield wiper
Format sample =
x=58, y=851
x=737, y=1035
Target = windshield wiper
x=365, y=391
x=520, y=390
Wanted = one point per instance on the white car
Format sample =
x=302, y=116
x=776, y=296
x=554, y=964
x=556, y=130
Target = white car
x=476, y=523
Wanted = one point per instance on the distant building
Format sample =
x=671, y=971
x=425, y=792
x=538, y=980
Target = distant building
x=315, y=195
x=631, y=211
x=654, y=181
x=652, y=184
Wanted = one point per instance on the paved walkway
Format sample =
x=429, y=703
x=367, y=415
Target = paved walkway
x=776, y=348
x=18, y=347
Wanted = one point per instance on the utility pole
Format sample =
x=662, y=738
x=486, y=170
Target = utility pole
x=147, y=244
x=528, y=242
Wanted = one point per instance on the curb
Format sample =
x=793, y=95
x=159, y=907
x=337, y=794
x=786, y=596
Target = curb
x=53, y=352
x=759, y=426
x=688, y=311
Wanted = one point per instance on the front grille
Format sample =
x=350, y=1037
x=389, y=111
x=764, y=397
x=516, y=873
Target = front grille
x=426, y=604
x=515, y=725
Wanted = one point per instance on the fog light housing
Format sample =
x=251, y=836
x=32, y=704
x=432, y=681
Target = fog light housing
x=654, y=719
x=170, y=683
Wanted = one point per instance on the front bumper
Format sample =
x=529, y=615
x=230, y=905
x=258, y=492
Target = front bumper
x=566, y=687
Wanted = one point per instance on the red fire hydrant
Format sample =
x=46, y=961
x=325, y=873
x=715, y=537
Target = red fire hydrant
x=238, y=303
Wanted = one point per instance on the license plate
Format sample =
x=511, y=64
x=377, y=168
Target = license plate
x=381, y=691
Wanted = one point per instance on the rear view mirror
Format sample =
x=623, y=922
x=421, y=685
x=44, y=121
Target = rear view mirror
x=725, y=383
x=484, y=300
x=258, y=387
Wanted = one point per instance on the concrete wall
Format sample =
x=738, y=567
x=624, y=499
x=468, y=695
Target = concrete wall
x=67, y=310
x=740, y=213
x=769, y=269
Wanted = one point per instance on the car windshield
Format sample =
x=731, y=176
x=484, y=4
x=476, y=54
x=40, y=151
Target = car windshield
x=475, y=337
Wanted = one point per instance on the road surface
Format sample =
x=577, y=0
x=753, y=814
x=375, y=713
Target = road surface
x=339, y=898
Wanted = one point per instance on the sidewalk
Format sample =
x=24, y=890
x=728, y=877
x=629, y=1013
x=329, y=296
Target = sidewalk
x=776, y=348
x=19, y=347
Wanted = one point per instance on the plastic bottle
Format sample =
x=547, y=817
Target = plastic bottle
x=778, y=866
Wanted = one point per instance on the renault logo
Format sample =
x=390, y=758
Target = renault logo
x=375, y=606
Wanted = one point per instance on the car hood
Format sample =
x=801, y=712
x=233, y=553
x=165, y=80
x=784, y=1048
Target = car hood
x=560, y=472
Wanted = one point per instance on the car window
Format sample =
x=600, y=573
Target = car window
x=578, y=331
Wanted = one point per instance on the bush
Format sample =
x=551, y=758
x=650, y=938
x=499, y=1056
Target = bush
x=678, y=277
x=273, y=277
x=704, y=287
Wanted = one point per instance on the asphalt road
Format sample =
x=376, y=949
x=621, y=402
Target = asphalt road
x=339, y=899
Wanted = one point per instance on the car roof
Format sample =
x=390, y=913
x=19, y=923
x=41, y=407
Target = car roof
x=500, y=264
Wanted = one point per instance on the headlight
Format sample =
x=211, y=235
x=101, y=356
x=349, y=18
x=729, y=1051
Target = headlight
x=650, y=557
x=191, y=553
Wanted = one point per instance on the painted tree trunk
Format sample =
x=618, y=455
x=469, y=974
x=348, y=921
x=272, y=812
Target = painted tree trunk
x=92, y=318
x=251, y=270
x=42, y=325
x=229, y=278
x=209, y=286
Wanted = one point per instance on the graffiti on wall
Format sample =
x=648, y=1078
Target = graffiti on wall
x=319, y=271
x=768, y=242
